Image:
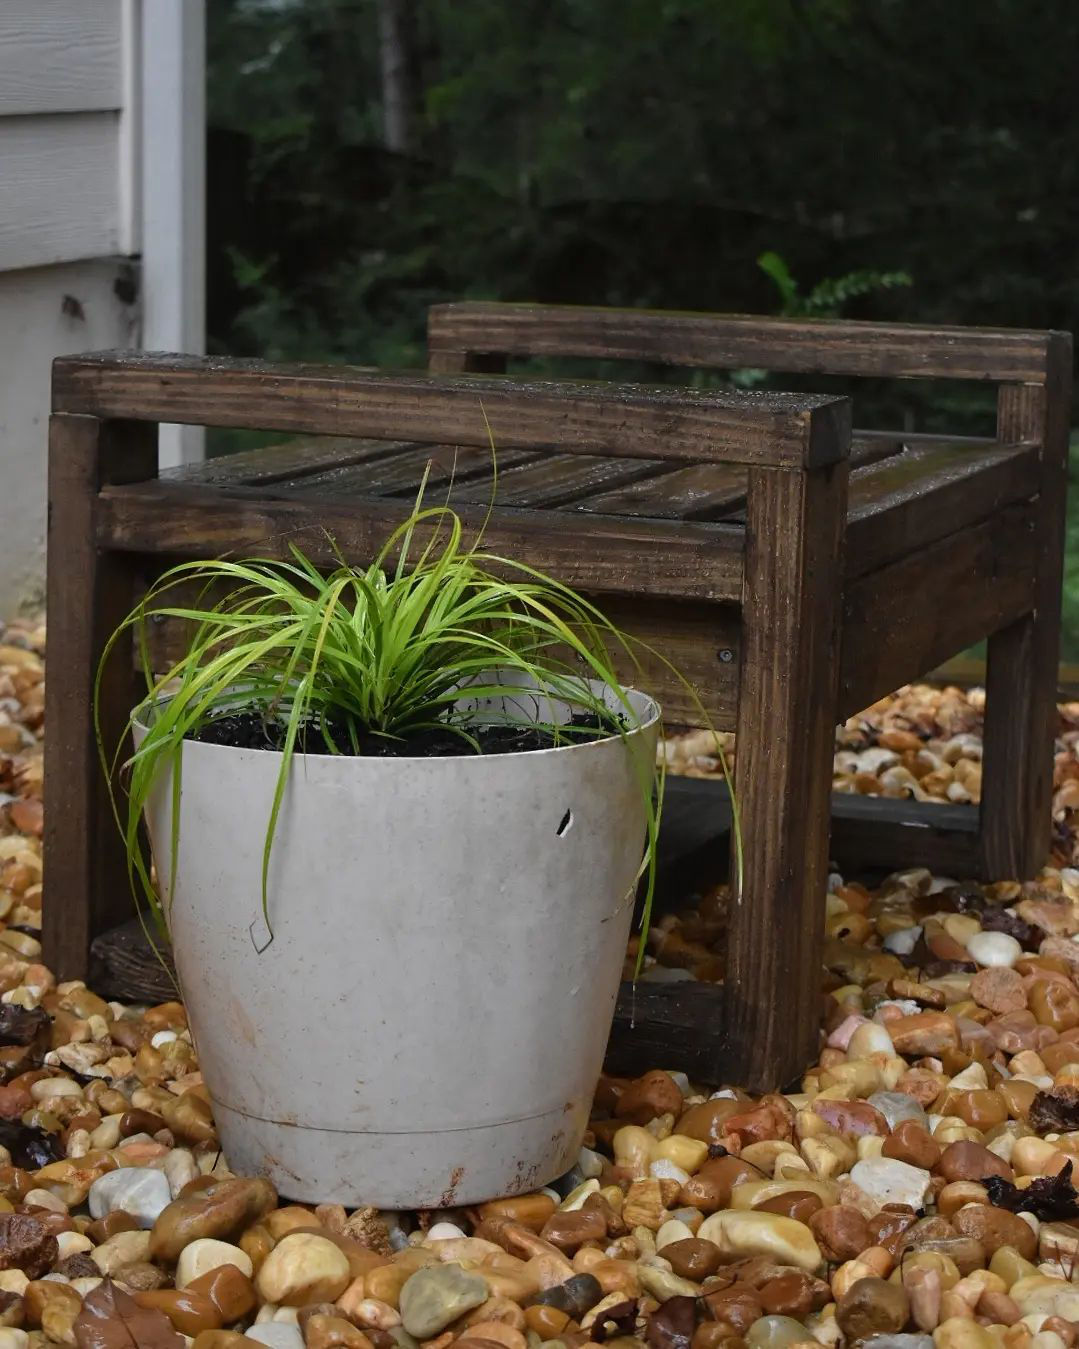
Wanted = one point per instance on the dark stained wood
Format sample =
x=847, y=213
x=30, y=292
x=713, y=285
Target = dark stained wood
x=672, y=634
x=692, y=561
x=904, y=619
x=86, y=885
x=1020, y=709
x=679, y=1026
x=786, y=736
x=696, y=492
x=630, y=421
x=929, y=491
x=291, y=460
x=557, y=480
x=878, y=834
x=711, y=491
x=399, y=474
x=725, y=341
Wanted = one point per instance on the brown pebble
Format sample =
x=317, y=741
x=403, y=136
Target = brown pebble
x=530, y=1210
x=797, y=1204
x=981, y=1109
x=714, y=1334
x=655, y=1093
x=692, y=1258
x=912, y=1143
x=719, y=1176
x=793, y=1293
x=888, y=1230
x=706, y=1122
x=842, y=1232
x=739, y=1305
x=999, y=990
x=855, y=1119
x=569, y=1231
x=996, y=1227
x=966, y=1160
x=229, y=1289
x=923, y=1033
x=547, y=1322
x=872, y=1307
x=1054, y=1004
x=189, y=1312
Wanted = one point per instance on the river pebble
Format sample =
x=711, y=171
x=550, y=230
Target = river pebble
x=893, y=1198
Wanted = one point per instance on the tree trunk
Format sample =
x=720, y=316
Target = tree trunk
x=397, y=49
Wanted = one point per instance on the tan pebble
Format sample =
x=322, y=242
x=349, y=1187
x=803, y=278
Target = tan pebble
x=924, y=1033
x=204, y=1254
x=498, y=1332
x=1036, y=1157
x=530, y=1210
x=961, y=1333
x=738, y=1233
x=634, y=1148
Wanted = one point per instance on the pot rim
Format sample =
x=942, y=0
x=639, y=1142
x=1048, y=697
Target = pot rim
x=649, y=715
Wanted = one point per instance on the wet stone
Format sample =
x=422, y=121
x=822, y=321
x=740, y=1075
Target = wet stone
x=575, y=1297
x=139, y=1191
x=897, y=1106
x=433, y=1298
x=872, y=1306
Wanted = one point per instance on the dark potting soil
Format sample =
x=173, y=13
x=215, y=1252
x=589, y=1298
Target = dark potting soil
x=250, y=730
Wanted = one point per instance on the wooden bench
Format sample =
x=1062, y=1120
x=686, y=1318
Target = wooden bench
x=794, y=576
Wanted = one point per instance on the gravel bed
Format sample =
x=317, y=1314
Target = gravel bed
x=914, y=1190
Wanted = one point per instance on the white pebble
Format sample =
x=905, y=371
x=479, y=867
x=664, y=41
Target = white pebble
x=577, y=1196
x=10, y=1338
x=277, y=1334
x=163, y=1037
x=904, y=941
x=994, y=948
x=139, y=1191
x=179, y=1166
x=680, y=1080
x=444, y=1232
x=44, y=1199
x=664, y=1169
x=589, y=1163
x=672, y=1230
x=70, y=1243
x=205, y=1253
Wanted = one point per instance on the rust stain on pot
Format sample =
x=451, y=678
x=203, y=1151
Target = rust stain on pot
x=449, y=1194
x=244, y=1025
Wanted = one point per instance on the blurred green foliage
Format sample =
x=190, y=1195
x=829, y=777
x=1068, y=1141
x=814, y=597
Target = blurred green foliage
x=900, y=159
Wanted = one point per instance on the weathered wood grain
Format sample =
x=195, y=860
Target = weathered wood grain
x=290, y=461
x=725, y=341
x=976, y=582
x=786, y=730
x=1020, y=709
x=629, y=421
x=691, y=561
x=929, y=491
x=89, y=593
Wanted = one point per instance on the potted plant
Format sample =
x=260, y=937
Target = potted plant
x=397, y=816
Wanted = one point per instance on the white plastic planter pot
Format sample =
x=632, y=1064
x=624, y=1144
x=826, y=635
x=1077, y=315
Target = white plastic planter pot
x=426, y=1026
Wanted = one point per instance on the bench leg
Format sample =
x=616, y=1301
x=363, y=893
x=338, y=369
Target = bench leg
x=1021, y=674
x=88, y=594
x=786, y=731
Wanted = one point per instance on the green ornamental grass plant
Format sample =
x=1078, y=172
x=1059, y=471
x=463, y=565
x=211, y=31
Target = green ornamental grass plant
x=385, y=651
